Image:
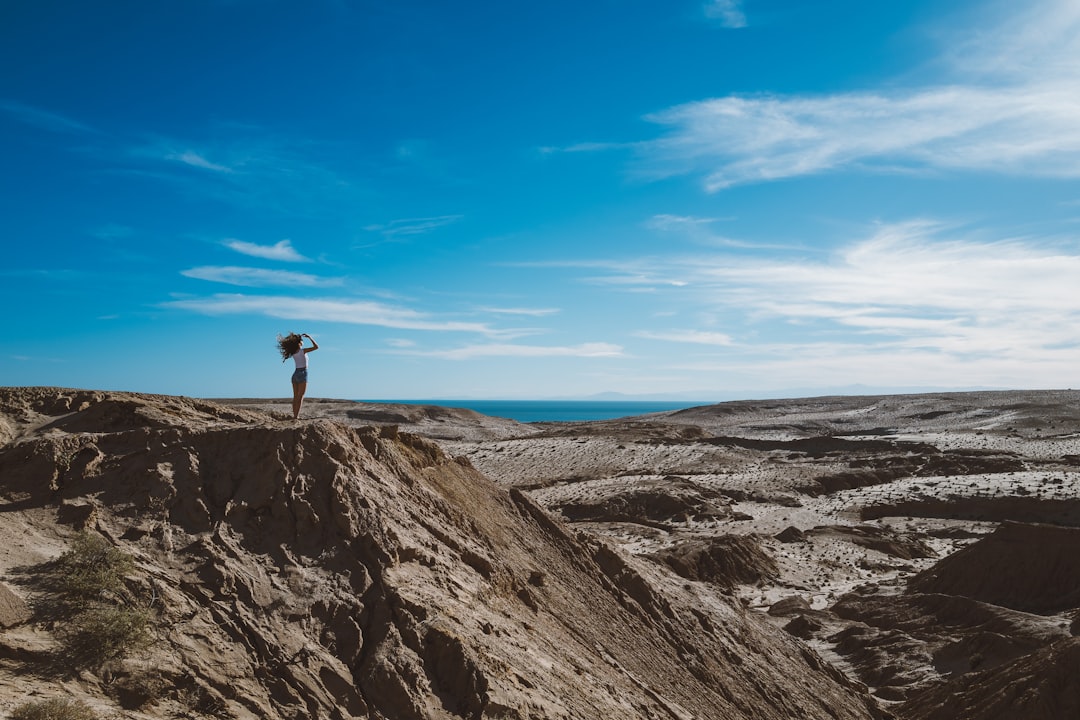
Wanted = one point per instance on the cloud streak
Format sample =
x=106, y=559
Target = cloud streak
x=246, y=167
x=412, y=226
x=282, y=250
x=356, y=312
x=1033, y=130
x=194, y=159
x=832, y=365
x=530, y=312
x=699, y=337
x=45, y=120
x=1015, y=42
x=242, y=165
x=728, y=12
x=908, y=267
x=258, y=277
x=585, y=350
x=1012, y=109
x=908, y=288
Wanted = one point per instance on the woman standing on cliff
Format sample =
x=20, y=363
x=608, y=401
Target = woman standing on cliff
x=292, y=346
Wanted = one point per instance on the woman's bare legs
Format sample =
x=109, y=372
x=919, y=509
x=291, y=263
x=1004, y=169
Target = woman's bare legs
x=298, y=390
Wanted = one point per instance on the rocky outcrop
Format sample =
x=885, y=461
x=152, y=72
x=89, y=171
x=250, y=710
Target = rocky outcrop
x=726, y=560
x=1033, y=568
x=878, y=538
x=657, y=502
x=978, y=635
x=310, y=569
x=902, y=645
x=1041, y=686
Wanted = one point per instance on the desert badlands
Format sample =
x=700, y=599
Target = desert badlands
x=909, y=556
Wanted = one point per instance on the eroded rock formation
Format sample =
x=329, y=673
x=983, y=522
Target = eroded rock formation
x=315, y=570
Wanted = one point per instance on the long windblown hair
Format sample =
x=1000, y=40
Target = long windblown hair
x=289, y=345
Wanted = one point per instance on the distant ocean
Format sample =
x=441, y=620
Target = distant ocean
x=557, y=410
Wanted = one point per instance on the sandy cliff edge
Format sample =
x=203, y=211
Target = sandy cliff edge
x=310, y=569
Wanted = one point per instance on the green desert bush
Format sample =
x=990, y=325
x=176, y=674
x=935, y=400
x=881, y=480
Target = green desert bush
x=92, y=568
x=97, y=617
x=54, y=709
x=104, y=632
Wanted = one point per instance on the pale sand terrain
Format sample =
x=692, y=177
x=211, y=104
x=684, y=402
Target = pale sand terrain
x=927, y=546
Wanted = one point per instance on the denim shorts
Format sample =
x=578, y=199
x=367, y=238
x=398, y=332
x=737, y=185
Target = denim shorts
x=300, y=376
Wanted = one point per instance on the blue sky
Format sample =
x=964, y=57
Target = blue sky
x=735, y=198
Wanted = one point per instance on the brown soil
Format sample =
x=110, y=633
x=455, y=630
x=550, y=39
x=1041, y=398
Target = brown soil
x=322, y=569
x=905, y=556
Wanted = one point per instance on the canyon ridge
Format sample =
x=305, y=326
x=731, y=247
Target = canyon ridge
x=906, y=556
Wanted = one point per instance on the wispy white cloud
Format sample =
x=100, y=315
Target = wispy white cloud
x=1004, y=41
x=699, y=337
x=167, y=153
x=247, y=167
x=1028, y=130
x=837, y=365
x=282, y=250
x=699, y=230
x=356, y=312
x=585, y=350
x=912, y=287
x=637, y=275
x=412, y=226
x=919, y=303
x=259, y=277
x=194, y=159
x=585, y=147
x=678, y=222
x=1009, y=108
x=639, y=279
x=531, y=312
x=912, y=269
x=728, y=12
x=45, y=119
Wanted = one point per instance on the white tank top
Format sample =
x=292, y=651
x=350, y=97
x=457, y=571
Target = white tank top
x=300, y=358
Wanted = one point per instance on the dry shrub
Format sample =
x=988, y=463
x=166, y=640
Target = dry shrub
x=104, y=632
x=98, y=618
x=92, y=568
x=54, y=709
x=140, y=689
x=202, y=702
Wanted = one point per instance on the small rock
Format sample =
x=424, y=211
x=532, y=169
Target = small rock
x=803, y=627
x=13, y=609
x=789, y=606
x=791, y=535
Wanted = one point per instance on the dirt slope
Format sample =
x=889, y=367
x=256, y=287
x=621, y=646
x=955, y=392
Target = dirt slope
x=1041, y=686
x=1033, y=568
x=860, y=521
x=314, y=570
